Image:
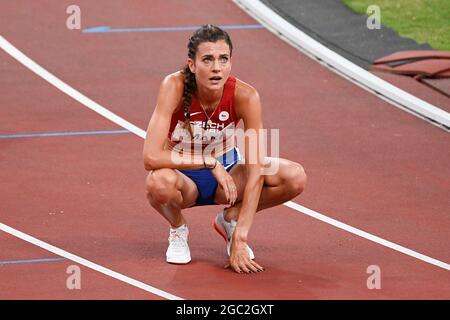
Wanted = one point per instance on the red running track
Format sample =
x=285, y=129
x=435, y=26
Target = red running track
x=369, y=165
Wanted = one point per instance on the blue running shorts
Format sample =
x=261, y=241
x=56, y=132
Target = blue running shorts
x=205, y=181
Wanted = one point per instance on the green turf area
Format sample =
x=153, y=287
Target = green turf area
x=425, y=21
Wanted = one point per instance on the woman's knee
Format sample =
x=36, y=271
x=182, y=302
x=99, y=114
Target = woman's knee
x=161, y=185
x=296, y=179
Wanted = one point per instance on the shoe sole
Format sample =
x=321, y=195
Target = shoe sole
x=178, y=263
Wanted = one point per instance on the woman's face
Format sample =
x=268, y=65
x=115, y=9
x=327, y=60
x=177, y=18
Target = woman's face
x=212, y=64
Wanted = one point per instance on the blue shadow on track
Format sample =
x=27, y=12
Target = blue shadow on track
x=105, y=29
x=59, y=134
x=32, y=260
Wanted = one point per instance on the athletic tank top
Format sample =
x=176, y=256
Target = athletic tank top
x=218, y=137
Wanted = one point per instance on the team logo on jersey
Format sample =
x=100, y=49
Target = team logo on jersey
x=223, y=116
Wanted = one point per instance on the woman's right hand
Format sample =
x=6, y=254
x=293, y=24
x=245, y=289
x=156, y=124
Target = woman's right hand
x=226, y=182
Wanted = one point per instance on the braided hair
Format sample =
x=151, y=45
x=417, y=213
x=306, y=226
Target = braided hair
x=206, y=33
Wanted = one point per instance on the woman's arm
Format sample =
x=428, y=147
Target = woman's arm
x=249, y=109
x=156, y=157
x=154, y=154
x=252, y=117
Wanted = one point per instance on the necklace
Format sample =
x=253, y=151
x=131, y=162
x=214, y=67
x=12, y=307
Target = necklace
x=209, y=121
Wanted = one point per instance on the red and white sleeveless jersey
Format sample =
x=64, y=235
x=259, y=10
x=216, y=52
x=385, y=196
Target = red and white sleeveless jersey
x=219, y=133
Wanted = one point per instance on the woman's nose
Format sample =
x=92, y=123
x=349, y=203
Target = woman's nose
x=216, y=65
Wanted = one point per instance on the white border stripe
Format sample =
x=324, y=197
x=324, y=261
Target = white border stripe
x=87, y=263
x=282, y=28
x=44, y=74
x=289, y=204
x=81, y=98
x=366, y=235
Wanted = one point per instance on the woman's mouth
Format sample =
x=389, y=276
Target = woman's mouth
x=215, y=79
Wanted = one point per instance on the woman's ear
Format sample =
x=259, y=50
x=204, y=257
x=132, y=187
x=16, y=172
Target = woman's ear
x=191, y=65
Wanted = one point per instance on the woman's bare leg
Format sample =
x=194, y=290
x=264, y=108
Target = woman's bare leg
x=287, y=183
x=169, y=191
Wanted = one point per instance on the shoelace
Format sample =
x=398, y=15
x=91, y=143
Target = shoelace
x=177, y=238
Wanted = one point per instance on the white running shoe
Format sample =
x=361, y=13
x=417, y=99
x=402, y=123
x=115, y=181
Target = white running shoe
x=226, y=229
x=178, y=250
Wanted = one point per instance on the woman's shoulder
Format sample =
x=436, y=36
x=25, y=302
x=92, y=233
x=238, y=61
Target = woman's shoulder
x=174, y=80
x=244, y=90
x=171, y=91
x=243, y=95
x=173, y=85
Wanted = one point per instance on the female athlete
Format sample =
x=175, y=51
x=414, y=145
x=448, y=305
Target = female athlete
x=193, y=160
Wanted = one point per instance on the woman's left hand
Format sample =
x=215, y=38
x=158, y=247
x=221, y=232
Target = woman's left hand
x=226, y=182
x=240, y=260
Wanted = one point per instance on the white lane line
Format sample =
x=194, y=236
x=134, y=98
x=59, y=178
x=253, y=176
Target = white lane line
x=37, y=69
x=366, y=80
x=366, y=235
x=294, y=205
x=87, y=263
x=64, y=87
